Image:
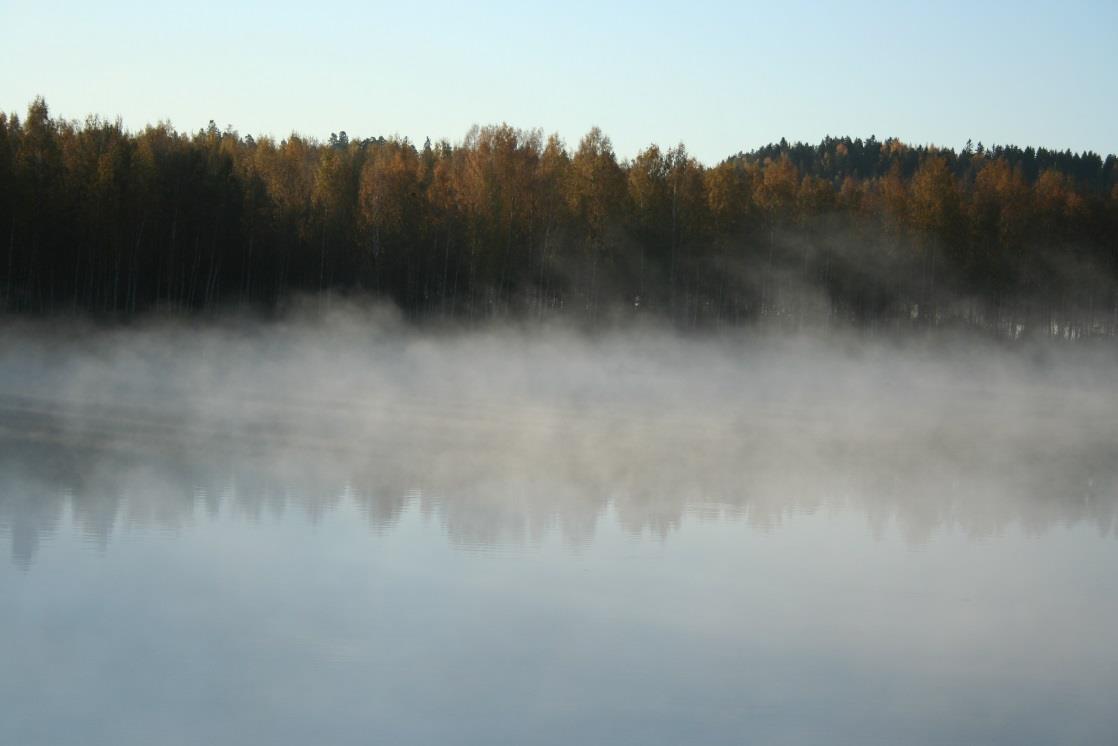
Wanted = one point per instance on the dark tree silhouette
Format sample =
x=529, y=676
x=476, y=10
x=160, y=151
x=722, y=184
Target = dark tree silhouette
x=97, y=219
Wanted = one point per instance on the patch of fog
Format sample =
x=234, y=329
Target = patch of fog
x=511, y=432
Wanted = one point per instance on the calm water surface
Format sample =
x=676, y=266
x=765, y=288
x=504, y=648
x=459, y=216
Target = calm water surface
x=475, y=575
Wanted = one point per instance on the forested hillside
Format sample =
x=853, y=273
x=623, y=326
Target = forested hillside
x=510, y=222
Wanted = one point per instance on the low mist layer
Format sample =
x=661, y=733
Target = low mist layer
x=508, y=433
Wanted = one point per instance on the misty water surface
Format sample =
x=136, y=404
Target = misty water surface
x=343, y=530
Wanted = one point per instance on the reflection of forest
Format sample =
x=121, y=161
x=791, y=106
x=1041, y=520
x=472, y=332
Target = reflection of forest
x=512, y=473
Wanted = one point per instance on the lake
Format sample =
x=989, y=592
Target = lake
x=345, y=533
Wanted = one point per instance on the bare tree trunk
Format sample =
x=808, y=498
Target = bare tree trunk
x=322, y=260
x=248, y=268
x=11, y=256
x=446, y=268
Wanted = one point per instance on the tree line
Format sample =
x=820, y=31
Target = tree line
x=510, y=222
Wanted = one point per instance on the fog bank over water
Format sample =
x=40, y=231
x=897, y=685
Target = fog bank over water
x=508, y=434
x=342, y=528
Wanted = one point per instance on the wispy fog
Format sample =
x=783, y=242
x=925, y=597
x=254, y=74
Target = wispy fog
x=345, y=528
x=508, y=434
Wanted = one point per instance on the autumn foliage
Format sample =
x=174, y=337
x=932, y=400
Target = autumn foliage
x=509, y=222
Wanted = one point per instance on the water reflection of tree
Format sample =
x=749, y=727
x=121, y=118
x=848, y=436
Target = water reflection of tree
x=490, y=486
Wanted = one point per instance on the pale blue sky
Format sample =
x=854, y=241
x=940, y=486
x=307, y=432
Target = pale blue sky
x=720, y=76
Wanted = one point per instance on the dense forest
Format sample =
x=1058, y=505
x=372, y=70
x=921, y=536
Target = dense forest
x=509, y=222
